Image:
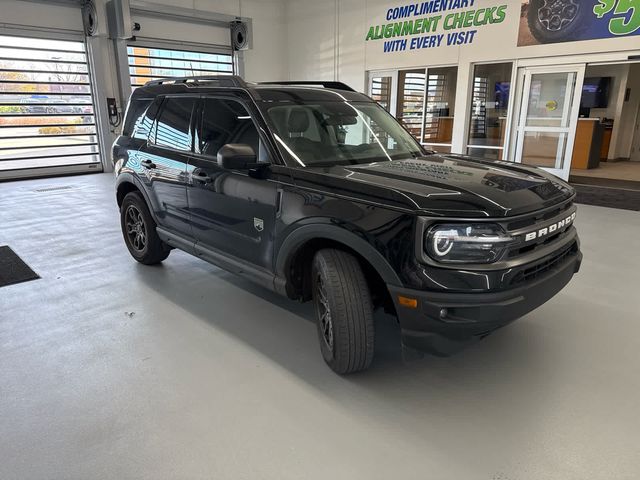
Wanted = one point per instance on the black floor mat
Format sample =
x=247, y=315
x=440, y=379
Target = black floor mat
x=604, y=182
x=13, y=269
x=608, y=197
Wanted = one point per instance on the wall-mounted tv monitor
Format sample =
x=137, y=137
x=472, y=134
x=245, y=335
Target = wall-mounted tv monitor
x=595, y=92
x=503, y=89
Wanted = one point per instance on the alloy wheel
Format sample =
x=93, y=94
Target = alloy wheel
x=136, y=229
x=555, y=15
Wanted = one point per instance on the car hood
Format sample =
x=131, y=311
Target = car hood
x=442, y=185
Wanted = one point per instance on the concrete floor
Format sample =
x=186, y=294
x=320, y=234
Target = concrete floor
x=110, y=369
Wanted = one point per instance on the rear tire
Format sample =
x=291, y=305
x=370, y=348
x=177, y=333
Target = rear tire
x=139, y=231
x=344, y=311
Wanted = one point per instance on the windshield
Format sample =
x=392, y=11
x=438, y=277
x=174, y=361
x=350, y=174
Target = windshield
x=339, y=133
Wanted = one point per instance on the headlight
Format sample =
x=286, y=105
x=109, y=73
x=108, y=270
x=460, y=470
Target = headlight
x=481, y=243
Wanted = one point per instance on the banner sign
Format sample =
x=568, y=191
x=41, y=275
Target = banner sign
x=556, y=21
x=433, y=24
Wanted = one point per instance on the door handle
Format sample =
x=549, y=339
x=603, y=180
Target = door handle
x=148, y=164
x=199, y=175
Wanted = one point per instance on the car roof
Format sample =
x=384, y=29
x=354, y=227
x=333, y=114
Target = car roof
x=289, y=91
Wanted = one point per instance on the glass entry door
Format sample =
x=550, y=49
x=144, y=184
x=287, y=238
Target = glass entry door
x=383, y=87
x=546, y=124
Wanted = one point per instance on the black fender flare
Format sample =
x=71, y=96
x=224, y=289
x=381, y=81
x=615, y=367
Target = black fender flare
x=303, y=234
x=126, y=177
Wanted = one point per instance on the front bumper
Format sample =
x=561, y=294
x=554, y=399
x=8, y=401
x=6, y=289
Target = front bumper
x=445, y=322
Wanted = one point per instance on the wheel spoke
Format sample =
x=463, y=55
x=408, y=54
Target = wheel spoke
x=325, y=323
x=323, y=296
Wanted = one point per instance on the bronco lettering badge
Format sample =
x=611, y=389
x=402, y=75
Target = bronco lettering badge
x=550, y=229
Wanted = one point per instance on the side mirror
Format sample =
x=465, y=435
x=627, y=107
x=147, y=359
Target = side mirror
x=236, y=156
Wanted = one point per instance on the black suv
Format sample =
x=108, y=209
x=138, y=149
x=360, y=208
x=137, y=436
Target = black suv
x=316, y=192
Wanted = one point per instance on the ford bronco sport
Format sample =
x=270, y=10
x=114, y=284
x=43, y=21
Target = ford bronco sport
x=316, y=192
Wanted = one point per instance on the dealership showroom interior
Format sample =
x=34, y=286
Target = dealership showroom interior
x=304, y=239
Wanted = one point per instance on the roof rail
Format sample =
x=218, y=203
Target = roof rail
x=220, y=80
x=325, y=84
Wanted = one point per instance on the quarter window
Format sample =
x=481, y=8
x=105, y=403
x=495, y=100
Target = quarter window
x=135, y=114
x=173, y=128
x=143, y=124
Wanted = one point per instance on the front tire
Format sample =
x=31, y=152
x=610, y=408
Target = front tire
x=139, y=231
x=344, y=311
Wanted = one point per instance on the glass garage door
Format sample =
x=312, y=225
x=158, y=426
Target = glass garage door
x=46, y=105
x=151, y=63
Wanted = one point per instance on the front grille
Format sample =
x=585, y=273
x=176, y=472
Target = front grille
x=540, y=223
x=532, y=273
x=539, y=217
x=519, y=250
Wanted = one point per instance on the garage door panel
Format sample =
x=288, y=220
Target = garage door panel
x=70, y=160
x=37, y=132
x=44, y=119
x=50, y=98
x=140, y=61
x=55, y=140
x=44, y=66
x=44, y=151
x=210, y=69
x=156, y=62
x=45, y=109
x=18, y=53
x=23, y=85
x=46, y=105
x=43, y=76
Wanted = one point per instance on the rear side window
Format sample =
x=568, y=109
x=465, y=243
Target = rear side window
x=135, y=114
x=173, y=129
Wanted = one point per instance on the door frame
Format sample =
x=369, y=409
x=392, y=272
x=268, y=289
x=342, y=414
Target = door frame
x=518, y=124
x=424, y=103
x=634, y=154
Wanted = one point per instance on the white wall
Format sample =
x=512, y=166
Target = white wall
x=316, y=42
x=629, y=116
x=265, y=61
